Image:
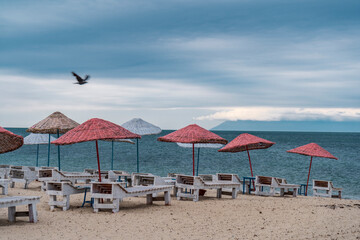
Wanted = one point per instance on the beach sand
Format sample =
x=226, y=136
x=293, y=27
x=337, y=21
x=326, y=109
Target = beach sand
x=247, y=217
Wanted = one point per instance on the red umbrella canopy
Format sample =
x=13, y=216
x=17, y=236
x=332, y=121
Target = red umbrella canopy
x=245, y=142
x=312, y=149
x=193, y=134
x=9, y=141
x=94, y=129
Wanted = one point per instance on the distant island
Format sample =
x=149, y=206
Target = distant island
x=303, y=126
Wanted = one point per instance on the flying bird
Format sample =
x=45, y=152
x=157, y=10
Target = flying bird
x=80, y=80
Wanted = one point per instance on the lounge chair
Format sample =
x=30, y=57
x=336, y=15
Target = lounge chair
x=63, y=189
x=325, y=189
x=152, y=180
x=22, y=175
x=54, y=175
x=195, y=183
x=284, y=187
x=273, y=183
x=113, y=193
x=12, y=202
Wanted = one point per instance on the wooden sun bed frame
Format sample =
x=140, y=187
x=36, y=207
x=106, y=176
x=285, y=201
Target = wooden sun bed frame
x=115, y=192
x=274, y=183
x=63, y=189
x=12, y=202
x=195, y=183
x=319, y=186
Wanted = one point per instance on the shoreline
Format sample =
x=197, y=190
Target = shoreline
x=246, y=217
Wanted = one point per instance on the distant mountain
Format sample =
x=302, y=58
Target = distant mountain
x=303, y=126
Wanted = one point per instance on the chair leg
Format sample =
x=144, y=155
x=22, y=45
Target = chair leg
x=218, y=193
x=12, y=214
x=295, y=191
x=234, y=193
x=149, y=199
x=116, y=203
x=196, y=195
x=178, y=194
x=167, y=197
x=32, y=213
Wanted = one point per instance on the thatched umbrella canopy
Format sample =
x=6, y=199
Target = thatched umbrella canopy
x=193, y=134
x=9, y=141
x=141, y=127
x=313, y=150
x=55, y=123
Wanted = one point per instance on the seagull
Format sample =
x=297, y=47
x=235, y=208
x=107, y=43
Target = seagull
x=79, y=79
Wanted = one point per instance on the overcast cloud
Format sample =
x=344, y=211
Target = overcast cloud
x=175, y=63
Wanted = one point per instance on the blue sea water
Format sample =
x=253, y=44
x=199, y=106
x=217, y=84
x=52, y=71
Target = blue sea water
x=161, y=158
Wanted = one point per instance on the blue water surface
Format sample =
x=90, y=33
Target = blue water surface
x=161, y=158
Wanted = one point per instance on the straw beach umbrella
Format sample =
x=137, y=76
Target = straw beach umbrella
x=9, y=141
x=198, y=146
x=193, y=134
x=140, y=127
x=93, y=130
x=313, y=150
x=55, y=123
x=37, y=139
x=246, y=142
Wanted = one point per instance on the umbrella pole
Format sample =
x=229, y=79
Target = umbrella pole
x=307, y=183
x=112, y=155
x=37, y=155
x=58, y=135
x=49, y=152
x=198, y=161
x=252, y=175
x=193, y=159
x=98, y=159
x=137, y=155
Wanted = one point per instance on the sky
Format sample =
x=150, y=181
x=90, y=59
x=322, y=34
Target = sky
x=175, y=63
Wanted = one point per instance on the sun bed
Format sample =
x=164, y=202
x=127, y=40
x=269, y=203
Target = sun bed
x=325, y=189
x=149, y=180
x=195, y=183
x=280, y=183
x=113, y=193
x=12, y=202
x=63, y=189
x=272, y=183
x=54, y=175
x=22, y=175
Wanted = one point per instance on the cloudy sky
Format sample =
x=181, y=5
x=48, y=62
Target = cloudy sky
x=174, y=63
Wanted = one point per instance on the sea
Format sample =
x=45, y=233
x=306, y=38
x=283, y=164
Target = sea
x=161, y=158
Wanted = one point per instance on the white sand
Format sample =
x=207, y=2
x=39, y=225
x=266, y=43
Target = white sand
x=247, y=217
